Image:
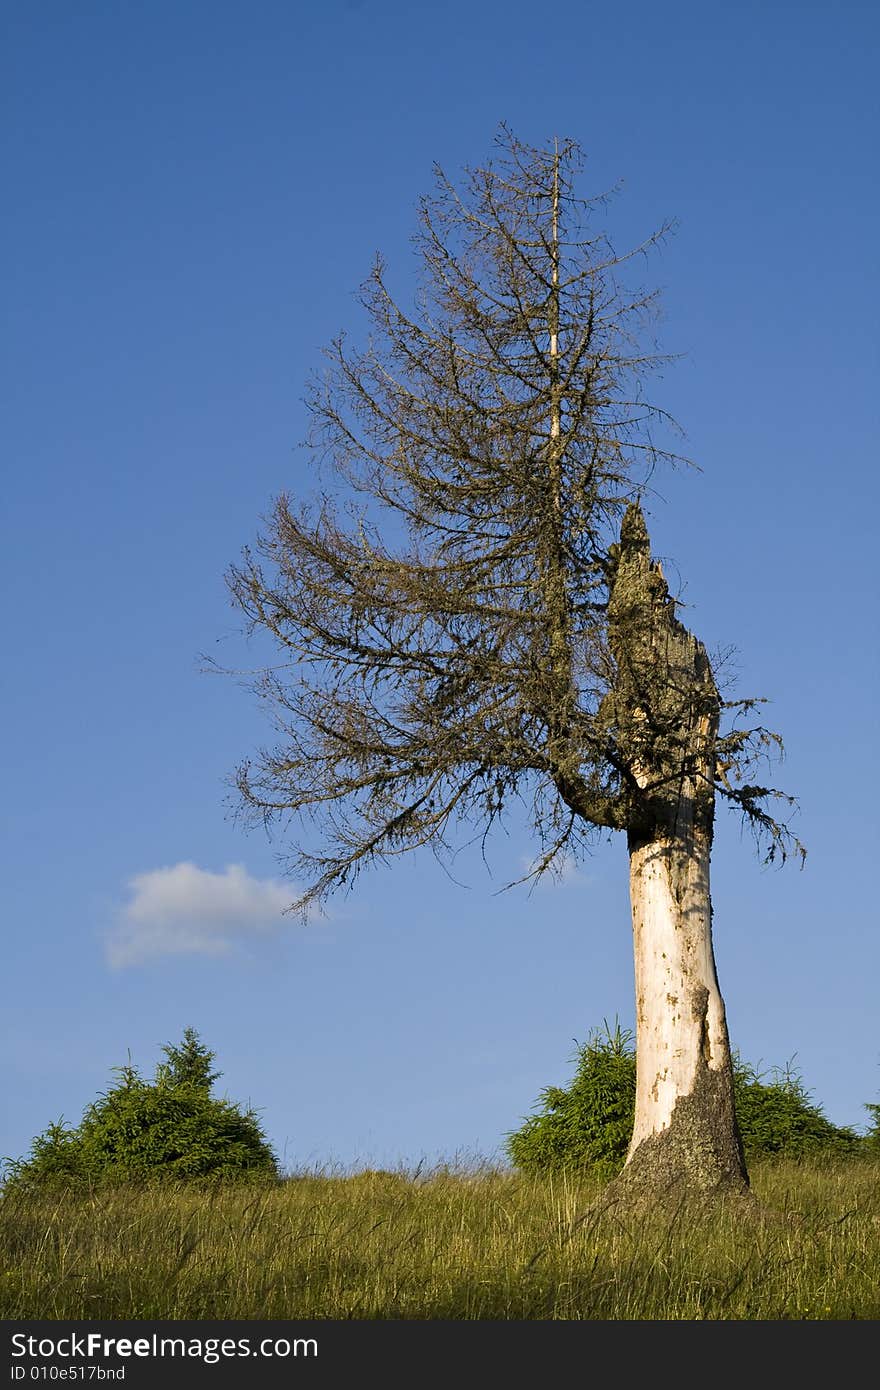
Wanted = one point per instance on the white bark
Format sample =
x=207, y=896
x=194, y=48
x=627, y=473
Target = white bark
x=680, y=1020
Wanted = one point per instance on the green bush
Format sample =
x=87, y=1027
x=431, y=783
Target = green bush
x=780, y=1117
x=169, y=1129
x=589, y=1125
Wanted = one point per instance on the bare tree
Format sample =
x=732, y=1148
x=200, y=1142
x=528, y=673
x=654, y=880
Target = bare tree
x=479, y=619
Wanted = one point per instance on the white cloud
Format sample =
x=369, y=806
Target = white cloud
x=185, y=910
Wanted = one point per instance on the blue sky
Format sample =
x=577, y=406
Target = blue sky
x=193, y=193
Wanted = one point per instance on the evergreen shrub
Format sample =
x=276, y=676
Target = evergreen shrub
x=588, y=1126
x=170, y=1128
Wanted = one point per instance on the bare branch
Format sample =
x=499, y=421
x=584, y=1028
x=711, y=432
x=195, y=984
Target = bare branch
x=459, y=640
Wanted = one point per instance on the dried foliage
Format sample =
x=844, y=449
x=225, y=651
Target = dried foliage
x=446, y=632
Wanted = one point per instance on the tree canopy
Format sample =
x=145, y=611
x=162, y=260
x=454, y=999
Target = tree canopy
x=445, y=612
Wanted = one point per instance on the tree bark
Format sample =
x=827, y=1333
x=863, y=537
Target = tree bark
x=685, y=1133
x=665, y=710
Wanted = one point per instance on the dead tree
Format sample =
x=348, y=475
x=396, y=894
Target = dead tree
x=471, y=614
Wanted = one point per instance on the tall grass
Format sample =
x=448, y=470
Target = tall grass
x=452, y=1244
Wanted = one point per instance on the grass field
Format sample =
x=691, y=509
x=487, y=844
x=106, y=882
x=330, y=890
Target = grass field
x=451, y=1244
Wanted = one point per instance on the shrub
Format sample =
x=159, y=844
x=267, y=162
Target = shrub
x=781, y=1118
x=589, y=1125
x=169, y=1129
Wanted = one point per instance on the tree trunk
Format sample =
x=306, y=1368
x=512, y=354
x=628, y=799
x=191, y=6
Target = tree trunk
x=685, y=1132
x=666, y=709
